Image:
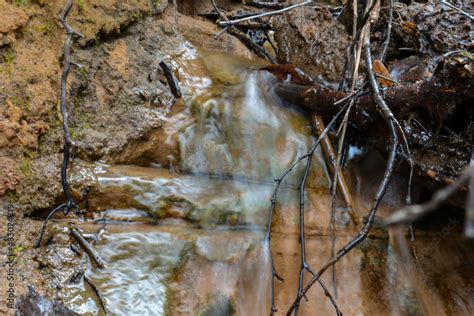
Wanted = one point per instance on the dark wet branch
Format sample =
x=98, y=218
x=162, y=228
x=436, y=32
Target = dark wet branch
x=87, y=248
x=45, y=224
x=68, y=143
x=172, y=82
x=97, y=293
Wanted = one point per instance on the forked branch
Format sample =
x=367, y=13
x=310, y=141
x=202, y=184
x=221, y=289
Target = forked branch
x=391, y=122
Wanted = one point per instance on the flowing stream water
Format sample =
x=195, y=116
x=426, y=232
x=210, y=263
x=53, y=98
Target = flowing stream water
x=187, y=240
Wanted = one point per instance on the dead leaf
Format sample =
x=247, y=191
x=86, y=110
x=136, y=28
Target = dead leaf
x=381, y=70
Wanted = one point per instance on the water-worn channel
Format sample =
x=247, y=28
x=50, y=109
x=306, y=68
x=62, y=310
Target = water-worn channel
x=187, y=240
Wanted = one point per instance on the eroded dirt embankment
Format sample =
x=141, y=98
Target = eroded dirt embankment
x=117, y=99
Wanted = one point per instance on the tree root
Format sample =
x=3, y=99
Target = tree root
x=68, y=143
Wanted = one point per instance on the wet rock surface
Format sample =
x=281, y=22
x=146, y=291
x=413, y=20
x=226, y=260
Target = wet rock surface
x=35, y=304
x=314, y=40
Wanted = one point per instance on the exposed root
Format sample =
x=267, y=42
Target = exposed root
x=68, y=143
x=45, y=224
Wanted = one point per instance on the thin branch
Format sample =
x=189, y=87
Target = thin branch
x=260, y=51
x=274, y=199
x=87, y=247
x=457, y=9
x=413, y=212
x=97, y=293
x=261, y=15
x=331, y=158
x=385, y=44
x=390, y=119
x=381, y=58
x=356, y=35
x=328, y=294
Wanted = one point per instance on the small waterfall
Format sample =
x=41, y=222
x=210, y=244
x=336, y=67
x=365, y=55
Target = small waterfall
x=255, y=278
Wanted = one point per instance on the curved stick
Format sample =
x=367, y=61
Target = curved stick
x=45, y=223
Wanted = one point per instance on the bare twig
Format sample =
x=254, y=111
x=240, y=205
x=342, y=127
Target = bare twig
x=68, y=143
x=356, y=37
x=97, y=293
x=261, y=15
x=413, y=212
x=457, y=9
x=260, y=51
x=385, y=44
x=87, y=247
x=390, y=119
x=271, y=5
x=273, y=200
